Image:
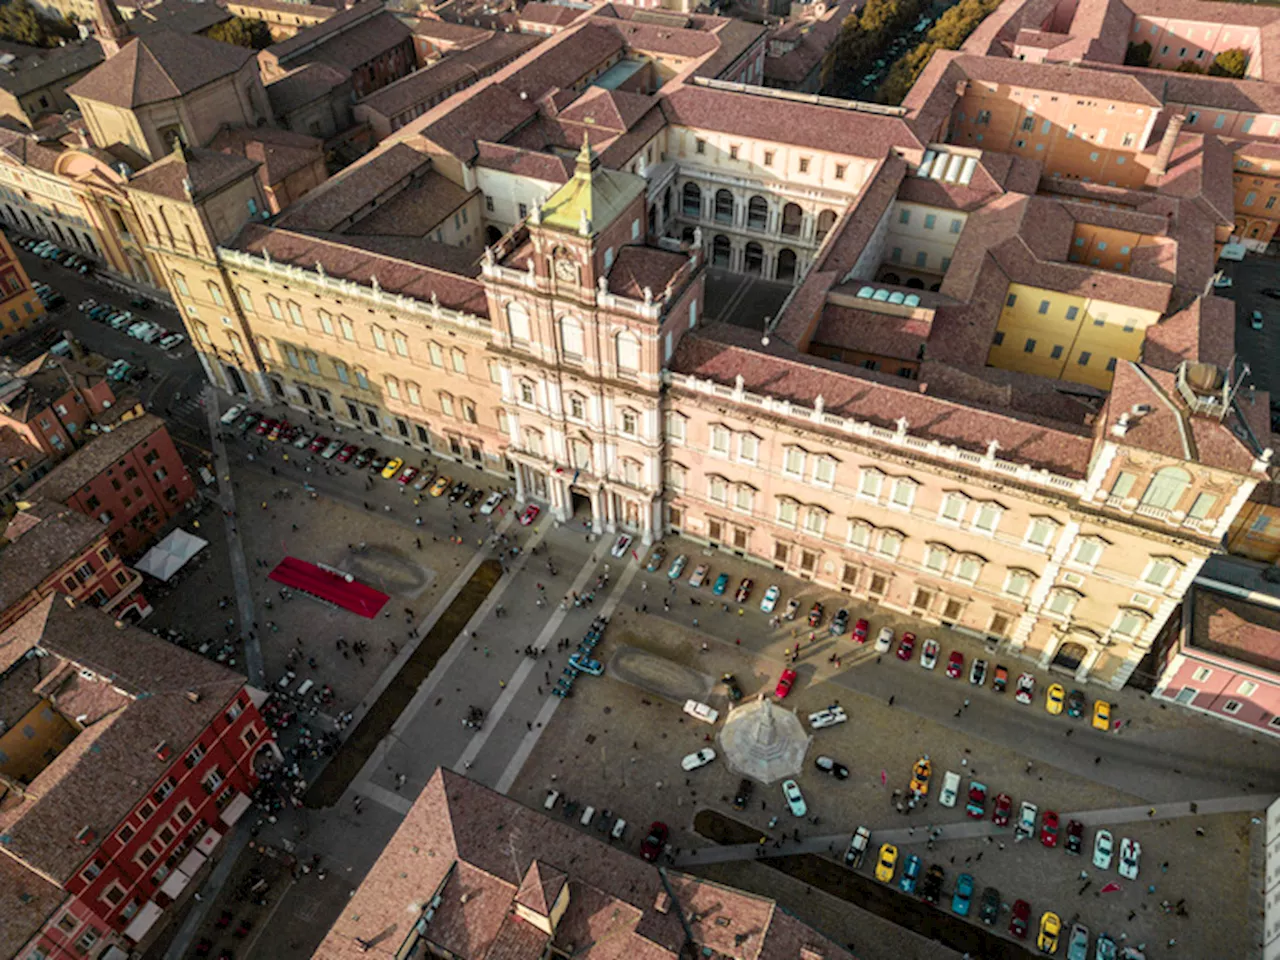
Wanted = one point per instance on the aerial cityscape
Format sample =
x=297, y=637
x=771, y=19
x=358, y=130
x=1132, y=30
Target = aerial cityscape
x=547, y=479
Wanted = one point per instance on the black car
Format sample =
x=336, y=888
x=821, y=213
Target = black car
x=743, y=796
x=990, y=909
x=1075, y=704
x=248, y=422
x=731, y=682
x=459, y=490
x=833, y=767
x=473, y=498
x=362, y=458
x=140, y=302
x=1075, y=836
x=839, y=623
x=931, y=887
x=1272, y=292
x=377, y=463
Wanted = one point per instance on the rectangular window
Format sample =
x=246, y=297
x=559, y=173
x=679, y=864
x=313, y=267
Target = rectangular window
x=295, y=314
x=1029, y=346
x=804, y=164
x=1072, y=312
x=1083, y=359
x=904, y=215
x=1011, y=300
x=870, y=483
x=1056, y=352
x=1043, y=308
x=930, y=220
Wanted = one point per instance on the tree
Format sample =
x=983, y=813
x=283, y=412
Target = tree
x=1138, y=54
x=242, y=32
x=1229, y=63
x=1188, y=66
x=20, y=23
x=949, y=33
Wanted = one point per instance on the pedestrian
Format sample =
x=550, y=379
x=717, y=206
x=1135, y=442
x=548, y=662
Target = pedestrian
x=1151, y=812
x=891, y=699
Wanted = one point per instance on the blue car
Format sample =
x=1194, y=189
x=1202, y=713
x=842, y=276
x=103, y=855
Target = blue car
x=677, y=567
x=722, y=584
x=910, y=874
x=961, y=899
x=585, y=664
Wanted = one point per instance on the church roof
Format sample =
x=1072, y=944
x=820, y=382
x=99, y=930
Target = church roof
x=162, y=65
x=594, y=197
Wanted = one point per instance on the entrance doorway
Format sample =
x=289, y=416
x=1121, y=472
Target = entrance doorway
x=1069, y=656
x=579, y=503
x=236, y=381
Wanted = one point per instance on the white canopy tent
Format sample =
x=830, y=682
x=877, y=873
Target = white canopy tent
x=171, y=554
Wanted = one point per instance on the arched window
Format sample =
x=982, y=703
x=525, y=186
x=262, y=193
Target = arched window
x=518, y=322
x=1166, y=488
x=628, y=352
x=721, y=251
x=724, y=206
x=757, y=214
x=753, y=258
x=786, y=264
x=826, y=220
x=691, y=200
x=792, y=218
x=571, y=337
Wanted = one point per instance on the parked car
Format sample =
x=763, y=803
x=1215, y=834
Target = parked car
x=962, y=897
x=425, y=479
x=884, y=640
x=700, y=711
x=829, y=717
x=472, y=498
x=583, y=663
x=460, y=489
x=303, y=440
x=699, y=575
x=1103, y=847
x=1101, y=715
x=795, y=799
x=655, y=558
x=1075, y=837
x=978, y=673
x=839, y=623
x=1130, y=858
x=721, y=585
x=744, y=590
x=364, y=458
x=861, y=630
x=1020, y=919
x=770, y=598
x=950, y=789
x=621, y=545
x=906, y=646
x=1078, y=942
x=920, y=774
x=787, y=678
x=346, y=452
x=886, y=863
x=652, y=845
x=1055, y=697
x=742, y=796
x=976, y=808
x=1000, y=679
x=1002, y=810
x=929, y=655
x=677, y=567
x=1255, y=320
x=1026, y=820
x=318, y=443
x=955, y=664
x=700, y=759
x=391, y=468
x=440, y=486
x=931, y=887
x=234, y=413
x=1075, y=704
x=815, y=615
x=833, y=767
x=1049, y=828
x=793, y=606
x=1050, y=928
x=248, y=422
x=990, y=908
x=910, y=874
x=530, y=514
x=857, y=848
x=491, y=502
x=731, y=685
x=1026, y=688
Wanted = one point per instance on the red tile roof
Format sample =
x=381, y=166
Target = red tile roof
x=356, y=190
x=1203, y=331
x=163, y=65
x=207, y=171
x=638, y=267
x=1236, y=629
x=551, y=14
x=278, y=152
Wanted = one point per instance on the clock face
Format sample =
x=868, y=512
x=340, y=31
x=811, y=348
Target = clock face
x=566, y=269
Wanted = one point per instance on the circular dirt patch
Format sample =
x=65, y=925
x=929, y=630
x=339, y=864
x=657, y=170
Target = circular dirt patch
x=660, y=676
x=389, y=570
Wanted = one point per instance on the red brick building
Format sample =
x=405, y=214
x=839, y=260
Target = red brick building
x=19, y=305
x=127, y=760
x=53, y=549
x=131, y=480
x=52, y=400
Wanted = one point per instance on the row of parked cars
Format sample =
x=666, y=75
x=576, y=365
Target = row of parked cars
x=48, y=250
x=126, y=321
x=50, y=297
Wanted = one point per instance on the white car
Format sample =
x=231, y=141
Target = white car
x=827, y=718
x=621, y=545
x=232, y=415
x=884, y=640
x=700, y=759
x=172, y=340
x=550, y=802
x=1103, y=846
x=700, y=711
x=770, y=599
x=1255, y=320
x=332, y=449
x=929, y=654
x=1221, y=283
x=1026, y=688
x=1130, y=857
x=950, y=789
x=699, y=575
x=795, y=799
x=491, y=504
x=1026, y=821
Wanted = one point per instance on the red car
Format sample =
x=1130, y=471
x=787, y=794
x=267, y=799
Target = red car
x=530, y=514
x=955, y=664
x=815, y=615
x=346, y=453
x=651, y=846
x=1004, y=807
x=1020, y=919
x=407, y=475
x=1049, y=829
x=907, y=647
x=318, y=444
x=977, y=807
x=744, y=590
x=784, y=683
x=860, y=631
x=265, y=426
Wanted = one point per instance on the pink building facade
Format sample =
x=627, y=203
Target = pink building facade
x=1225, y=660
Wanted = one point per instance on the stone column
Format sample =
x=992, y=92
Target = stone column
x=597, y=506
x=520, y=491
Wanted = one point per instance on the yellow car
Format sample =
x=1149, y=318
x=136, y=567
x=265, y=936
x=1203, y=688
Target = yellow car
x=1054, y=697
x=920, y=776
x=1050, y=927
x=392, y=468
x=440, y=486
x=1101, y=715
x=887, y=863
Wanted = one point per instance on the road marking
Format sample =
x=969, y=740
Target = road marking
x=548, y=710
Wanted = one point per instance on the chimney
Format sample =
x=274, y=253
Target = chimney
x=1121, y=426
x=1167, y=143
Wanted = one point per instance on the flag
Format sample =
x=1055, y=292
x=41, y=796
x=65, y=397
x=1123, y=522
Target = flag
x=884, y=777
x=1111, y=887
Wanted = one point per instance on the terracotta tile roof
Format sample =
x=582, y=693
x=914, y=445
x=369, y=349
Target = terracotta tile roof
x=541, y=885
x=353, y=46
x=319, y=35
x=870, y=332
x=551, y=14
x=615, y=110
x=278, y=152
x=357, y=189
x=462, y=838
x=30, y=900
x=304, y=85
x=1140, y=88
x=999, y=27
x=102, y=451
x=1236, y=629
x=455, y=34
x=549, y=167
x=316, y=10
x=721, y=354
x=753, y=113
x=638, y=267
x=111, y=765
x=28, y=150
x=44, y=539
x=162, y=65
x=1203, y=331
x=416, y=210
x=1235, y=14
x=341, y=257
x=797, y=48
x=736, y=38
x=180, y=16
x=564, y=60
x=208, y=171
x=43, y=68
x=420, y=250
x=488, y=112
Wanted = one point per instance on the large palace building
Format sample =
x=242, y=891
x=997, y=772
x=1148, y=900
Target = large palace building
x=961, y=358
